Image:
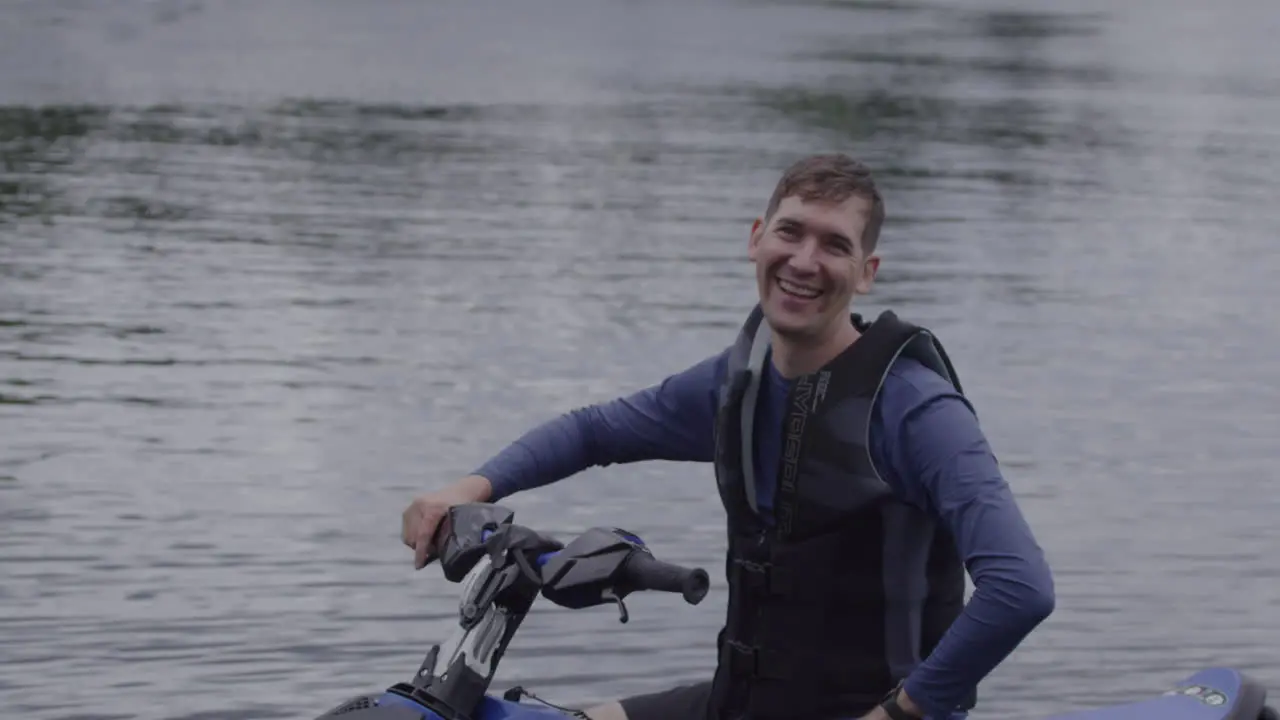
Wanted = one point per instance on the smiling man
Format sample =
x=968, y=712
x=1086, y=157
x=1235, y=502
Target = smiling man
x=856, y=480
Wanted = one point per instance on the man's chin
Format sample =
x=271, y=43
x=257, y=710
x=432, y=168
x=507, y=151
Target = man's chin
x=788, y=325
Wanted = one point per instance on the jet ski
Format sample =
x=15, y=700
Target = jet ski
x=502, y=568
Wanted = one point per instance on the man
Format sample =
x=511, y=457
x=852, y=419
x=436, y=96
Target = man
x=857, y=483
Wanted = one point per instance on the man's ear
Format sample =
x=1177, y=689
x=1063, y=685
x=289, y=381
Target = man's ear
x=867, y=276
x=753, y=242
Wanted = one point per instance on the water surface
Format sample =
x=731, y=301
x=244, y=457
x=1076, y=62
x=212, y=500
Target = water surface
x=268, y=269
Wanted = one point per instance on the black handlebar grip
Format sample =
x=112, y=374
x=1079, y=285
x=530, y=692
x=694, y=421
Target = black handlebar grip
x=645, y=572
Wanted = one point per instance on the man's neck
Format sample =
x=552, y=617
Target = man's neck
x=794, y=357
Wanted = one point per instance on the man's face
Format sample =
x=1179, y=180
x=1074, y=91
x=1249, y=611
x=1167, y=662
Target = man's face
x=809, y=265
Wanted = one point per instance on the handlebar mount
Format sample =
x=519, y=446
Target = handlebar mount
x=502, y=568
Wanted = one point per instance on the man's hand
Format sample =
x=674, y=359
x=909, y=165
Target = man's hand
x=877, y=713
x=904, y=701
x=419, y=521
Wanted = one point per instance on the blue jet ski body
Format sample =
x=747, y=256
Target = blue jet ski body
x=1216, y=693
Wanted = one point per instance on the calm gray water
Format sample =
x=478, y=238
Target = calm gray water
x=270, y=268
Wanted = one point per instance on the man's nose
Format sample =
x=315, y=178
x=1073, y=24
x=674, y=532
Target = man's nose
x=805, y=257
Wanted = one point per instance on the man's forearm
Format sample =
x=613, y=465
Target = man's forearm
x=669, y=421
x=551, y=451
x=1013, y=592
x=471, y=489
x=945, y=462
x=1001, y=613
x=1013, y=586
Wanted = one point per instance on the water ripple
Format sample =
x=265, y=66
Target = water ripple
x=252, y=301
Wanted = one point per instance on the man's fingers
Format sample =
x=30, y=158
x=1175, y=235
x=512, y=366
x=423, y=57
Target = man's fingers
x=409, y=525
x=417, y=519
x=418, y=532
x=423, y=553
x=420, y=553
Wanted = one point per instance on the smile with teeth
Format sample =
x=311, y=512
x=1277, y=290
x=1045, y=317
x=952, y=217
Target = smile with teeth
x=795, y=289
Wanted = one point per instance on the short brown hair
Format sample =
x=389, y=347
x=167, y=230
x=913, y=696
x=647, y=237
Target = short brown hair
x=833, y=178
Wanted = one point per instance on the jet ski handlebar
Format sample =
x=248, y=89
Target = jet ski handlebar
x=502, y=568
x=599, y=566
x=642, y=571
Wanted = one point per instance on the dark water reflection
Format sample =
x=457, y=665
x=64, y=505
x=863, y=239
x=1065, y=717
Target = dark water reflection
x=269, y=269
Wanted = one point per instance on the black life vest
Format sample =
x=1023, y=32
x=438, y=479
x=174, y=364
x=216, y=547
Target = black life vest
x=850, y=588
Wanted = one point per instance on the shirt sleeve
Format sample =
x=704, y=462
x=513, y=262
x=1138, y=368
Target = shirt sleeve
x=939, y=458
x=672, y=420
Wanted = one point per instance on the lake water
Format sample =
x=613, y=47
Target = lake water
x=269, y=269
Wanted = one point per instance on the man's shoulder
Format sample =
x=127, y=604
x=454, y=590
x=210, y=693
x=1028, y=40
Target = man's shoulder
x=910, y=379
x=920, y=419
x=913, y=393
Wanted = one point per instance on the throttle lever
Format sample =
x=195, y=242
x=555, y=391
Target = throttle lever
x=623, y=615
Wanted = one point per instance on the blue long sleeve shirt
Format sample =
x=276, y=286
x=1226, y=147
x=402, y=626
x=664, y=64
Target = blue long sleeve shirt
x=925, y=441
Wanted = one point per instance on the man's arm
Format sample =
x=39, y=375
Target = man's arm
x=941, y=460
x=672, y=420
